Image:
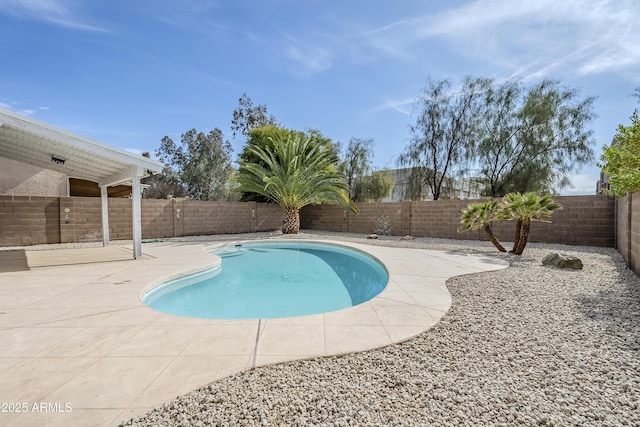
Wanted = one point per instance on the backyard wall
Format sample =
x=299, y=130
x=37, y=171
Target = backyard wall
x=583, y=220
x=30, y=220
x=628, y=229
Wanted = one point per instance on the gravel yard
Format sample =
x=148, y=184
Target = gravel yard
x=526, y=345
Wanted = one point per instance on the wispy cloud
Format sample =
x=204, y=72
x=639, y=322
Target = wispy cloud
x=307, y=58
x=403, y=106
x=532, y=39
x=56, y=12
x=14, y=106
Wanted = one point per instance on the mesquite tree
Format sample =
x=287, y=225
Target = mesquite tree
x=530, y=139
x=438, y=151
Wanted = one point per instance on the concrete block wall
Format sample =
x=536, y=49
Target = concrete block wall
x=26, y=220
x=203, y=218
x=267, y=217
x=584, y=220
x=399, y=214
x=634, y=234
x=120, y=219
x=325, y=217
x=158, y=218
x=623, y=226
x=628, y=229
x=439, y=219
x=29, y=220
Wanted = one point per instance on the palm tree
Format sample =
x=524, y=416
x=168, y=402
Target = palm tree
x=294, y=172
x=525, y=208
x=480, y=215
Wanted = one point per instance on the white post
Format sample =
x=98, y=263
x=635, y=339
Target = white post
x=105, y=215
x=137, y=217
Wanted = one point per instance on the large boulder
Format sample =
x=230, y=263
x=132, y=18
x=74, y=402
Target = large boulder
x=562, y=261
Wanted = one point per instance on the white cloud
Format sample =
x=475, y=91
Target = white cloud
x=13, y=106
x=528, y=39
x=403, y=106
x=307, y=58
x=54, y=12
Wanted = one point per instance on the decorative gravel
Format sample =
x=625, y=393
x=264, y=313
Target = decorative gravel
x=527, y=345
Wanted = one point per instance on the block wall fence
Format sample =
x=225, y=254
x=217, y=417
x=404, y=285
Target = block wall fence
x=28, y=220
x=628, y=229
x=584, y=220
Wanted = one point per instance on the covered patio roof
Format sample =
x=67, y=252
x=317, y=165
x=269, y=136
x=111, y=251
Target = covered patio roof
x=29, y=141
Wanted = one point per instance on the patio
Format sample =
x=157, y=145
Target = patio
x=77, y=334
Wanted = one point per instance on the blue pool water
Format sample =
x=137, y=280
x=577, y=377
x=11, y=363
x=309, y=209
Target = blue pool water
x=274, y=279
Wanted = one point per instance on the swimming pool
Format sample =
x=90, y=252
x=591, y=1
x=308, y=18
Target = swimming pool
x=273, y=279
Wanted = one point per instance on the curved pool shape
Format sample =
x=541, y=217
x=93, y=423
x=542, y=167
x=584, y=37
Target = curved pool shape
x=271, y=280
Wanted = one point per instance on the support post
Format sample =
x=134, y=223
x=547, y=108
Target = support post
x=137, y=217
x=105, y=215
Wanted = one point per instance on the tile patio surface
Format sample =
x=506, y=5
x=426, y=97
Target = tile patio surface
x=74, y=332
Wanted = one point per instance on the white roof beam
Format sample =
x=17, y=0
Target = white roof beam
x=124, y=175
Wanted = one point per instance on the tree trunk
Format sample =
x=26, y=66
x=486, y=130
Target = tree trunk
x=516, y=238
x=524, y=236
x=495, y=242
x=291, y=221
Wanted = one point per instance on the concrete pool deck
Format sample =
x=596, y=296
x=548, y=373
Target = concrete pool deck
x=80, y=348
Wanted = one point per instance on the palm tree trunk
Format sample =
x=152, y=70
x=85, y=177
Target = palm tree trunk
x=495, y=242
x=291, y=221
x=526, y=227
x=516, y=238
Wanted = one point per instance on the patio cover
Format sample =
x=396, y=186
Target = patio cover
x=29, y=141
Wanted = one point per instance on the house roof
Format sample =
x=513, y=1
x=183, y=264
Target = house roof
x=29, y=141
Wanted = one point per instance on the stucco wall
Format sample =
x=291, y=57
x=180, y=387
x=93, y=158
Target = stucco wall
x=21, y=179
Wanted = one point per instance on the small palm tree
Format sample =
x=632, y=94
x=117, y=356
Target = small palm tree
x=294, y=172
x=525, y=208
x=480, y=215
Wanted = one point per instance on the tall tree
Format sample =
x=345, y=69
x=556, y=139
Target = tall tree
x=531, y=139
x=294, y=172
x=165, y=185
x=247, y=117
x=374, y=186
x=622, y=158
x=202, y=163
x=356, y=164
x=444, y=130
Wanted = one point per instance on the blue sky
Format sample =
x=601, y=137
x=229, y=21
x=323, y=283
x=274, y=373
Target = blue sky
x=127, y=73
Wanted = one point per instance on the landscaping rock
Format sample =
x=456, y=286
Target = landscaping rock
x=407, y=237
x=372, y=236
x=562, y=261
